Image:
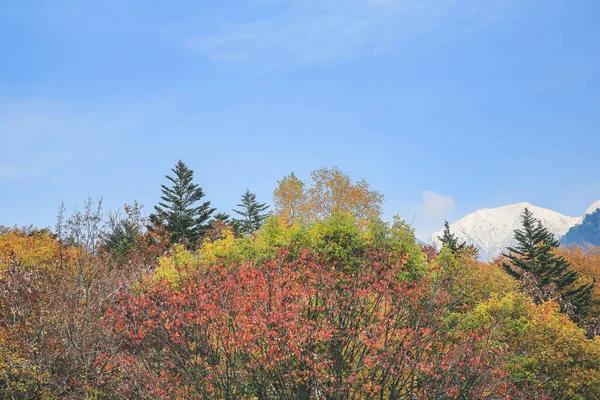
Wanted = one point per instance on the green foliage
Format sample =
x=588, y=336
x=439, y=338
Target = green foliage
x=547, y=354
x=450, y=241
x=533, y=253
x=178, y=210
x=252, y=213
x=546, y=275
x=546, y=351
x=472, y=282
x=506, y=314
x=223, y=217
x=121, y=238
x=339, y=238
x=586, y=260
x=398, y=237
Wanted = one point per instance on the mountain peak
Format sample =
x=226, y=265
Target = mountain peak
x=524, y=204
x=591, y=209
x=492, y=229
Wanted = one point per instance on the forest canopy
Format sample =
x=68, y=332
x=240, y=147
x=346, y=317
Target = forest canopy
x=315, y=297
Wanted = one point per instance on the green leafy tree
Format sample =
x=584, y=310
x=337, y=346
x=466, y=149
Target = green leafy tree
x=252, y=212
x=180, y=211
x=543, y=273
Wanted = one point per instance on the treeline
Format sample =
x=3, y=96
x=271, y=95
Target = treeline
x=315, y=297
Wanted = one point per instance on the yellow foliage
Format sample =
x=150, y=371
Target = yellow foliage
x=225, y=249
x=505, y=315
x=477, y=281
x=229, y=249
x=178, y=261
x=558, y=353
x=333, y=192
x=38, y=249
x=289, y=199
x=547, y=351
x=275, y=235
x=330, y=192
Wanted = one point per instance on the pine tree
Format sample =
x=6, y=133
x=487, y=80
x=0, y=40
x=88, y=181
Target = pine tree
x=217, y=225
x=450, y=241
x=222, y=217
x=252, y=213
x=534, y=254
x=178, y=210
x=120, y=238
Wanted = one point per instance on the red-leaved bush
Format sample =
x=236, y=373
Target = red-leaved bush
x=298, y=329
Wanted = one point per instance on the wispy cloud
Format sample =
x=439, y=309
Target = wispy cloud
x=322, y=31
x=430, y=214
x=279, y=32
x=435, y=205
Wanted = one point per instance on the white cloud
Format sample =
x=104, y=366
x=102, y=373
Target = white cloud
x=430, y=214
x=435, y=205
x=281, y=32
x=322, y=31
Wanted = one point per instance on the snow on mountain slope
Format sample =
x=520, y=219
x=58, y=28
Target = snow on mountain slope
x=492, y=229
x=592, y=208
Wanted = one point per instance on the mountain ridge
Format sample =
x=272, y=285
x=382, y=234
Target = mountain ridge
x=592, y=209
x=491, y=230
x=585, y=233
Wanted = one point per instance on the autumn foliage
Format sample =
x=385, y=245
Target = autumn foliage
x=324, y=301
x=329, y=192
x=54, y=290
x=298, y=329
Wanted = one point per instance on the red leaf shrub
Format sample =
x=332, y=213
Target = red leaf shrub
x=296, y=329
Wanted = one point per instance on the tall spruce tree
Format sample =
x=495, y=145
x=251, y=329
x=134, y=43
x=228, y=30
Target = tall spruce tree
x=450, y=241
x=252, y=212
x=179, y=210
x=535, y=254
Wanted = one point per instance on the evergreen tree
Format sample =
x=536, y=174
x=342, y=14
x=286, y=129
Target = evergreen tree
x=120, y=238
x=184, y=219
x=252, y=213
x=217, y=225
x=450, y=241
x=535, y=254
x=223, y=217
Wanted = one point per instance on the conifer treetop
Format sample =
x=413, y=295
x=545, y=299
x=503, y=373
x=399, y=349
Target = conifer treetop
x=179, y=210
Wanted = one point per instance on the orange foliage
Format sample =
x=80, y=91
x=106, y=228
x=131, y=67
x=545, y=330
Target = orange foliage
x=30, y=248
x=297, y=329
x=330, y=192
x=586, y=261
x=289, y=199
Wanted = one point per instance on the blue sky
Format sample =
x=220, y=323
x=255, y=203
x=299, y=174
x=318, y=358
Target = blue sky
x=445, y=106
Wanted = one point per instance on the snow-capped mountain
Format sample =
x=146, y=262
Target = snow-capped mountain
x=591, y=209
x=588, y=232
x=492, y=229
